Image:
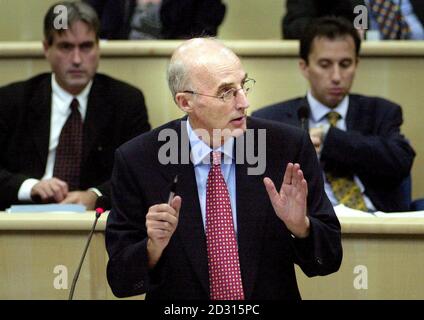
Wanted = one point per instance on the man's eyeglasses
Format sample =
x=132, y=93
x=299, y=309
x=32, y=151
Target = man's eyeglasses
x=231, y=93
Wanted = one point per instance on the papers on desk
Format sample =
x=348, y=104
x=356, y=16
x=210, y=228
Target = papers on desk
x=46, y=208
x=343, y=211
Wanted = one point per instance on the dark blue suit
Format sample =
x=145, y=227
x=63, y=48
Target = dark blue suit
x=372, y=148
x=266, y=249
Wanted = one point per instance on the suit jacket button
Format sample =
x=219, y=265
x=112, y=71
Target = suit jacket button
x=99, y=148
x=318, y=260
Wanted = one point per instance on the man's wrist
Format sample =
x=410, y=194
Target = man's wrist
x=95, y=191
x=24, y=193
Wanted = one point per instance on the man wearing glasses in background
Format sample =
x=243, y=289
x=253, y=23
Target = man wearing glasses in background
x=227, y=234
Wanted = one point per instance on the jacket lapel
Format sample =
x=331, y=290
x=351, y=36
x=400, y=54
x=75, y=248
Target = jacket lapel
x=291, y=115
x=190, y=226
x=250, y=218
x=39, y=119
x=98, y=116
x=354, y=117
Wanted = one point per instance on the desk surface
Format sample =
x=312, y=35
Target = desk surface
x=51, y=221
x=32, y=246
x=270, y=48
x=84, y=221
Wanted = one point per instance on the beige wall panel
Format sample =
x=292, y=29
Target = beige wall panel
x=389, y=267
x=22, y=20
x=149, y=74
x=252, y=19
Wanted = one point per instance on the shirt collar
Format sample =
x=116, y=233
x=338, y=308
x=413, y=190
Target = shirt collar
x=319, y=111
x=200, y=151
x=66, y=97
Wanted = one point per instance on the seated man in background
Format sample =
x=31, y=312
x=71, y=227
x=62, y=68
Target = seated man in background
x=59, y=130
x=357, y=138
x=158, y=19
x=387, y=19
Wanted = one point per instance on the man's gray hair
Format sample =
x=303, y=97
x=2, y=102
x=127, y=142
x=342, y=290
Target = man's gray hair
x=178, y=76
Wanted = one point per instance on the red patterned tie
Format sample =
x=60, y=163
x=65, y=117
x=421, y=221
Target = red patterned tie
x=69, y=150
x=223, y=259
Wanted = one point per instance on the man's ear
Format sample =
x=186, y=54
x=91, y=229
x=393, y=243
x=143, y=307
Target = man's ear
x=46, y=48
x=303, y=67
x=183, y=102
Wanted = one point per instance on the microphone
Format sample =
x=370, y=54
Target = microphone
x=99, y=212
x=303, y=115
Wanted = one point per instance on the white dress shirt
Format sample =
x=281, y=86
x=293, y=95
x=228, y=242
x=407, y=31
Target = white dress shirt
x=60, y=111
x=200, y=157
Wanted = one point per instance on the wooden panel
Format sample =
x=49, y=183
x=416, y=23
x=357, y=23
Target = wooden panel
x=389, y=251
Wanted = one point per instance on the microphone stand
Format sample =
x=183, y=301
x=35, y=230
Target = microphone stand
x=99, y=211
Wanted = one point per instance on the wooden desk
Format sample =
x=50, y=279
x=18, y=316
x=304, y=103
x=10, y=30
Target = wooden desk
x=32, y=245
x=388, y=251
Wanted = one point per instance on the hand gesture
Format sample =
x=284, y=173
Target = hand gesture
x=290, y=202
x=86, y=198
x=49, y=190
x=161, y=223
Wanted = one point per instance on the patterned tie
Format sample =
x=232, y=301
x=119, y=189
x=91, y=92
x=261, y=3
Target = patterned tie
x=223, y=259
x=69, y=150
x=390, y=20
x=344, y=188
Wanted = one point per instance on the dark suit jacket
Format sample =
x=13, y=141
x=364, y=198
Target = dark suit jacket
x=299, y=13
x=181, y=19
x=372, y=147
x=115, y=113
x=266, y=249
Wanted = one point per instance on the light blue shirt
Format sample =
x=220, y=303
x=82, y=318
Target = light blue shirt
x=200, y=157
x=318, y=118
x=417, y=30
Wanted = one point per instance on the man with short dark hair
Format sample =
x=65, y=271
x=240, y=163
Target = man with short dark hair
x=59, y=130
x=357, y=138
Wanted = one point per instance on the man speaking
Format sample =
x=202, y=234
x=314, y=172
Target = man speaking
x=229, y=233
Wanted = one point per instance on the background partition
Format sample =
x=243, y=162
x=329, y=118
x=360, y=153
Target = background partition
x=394, y=70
